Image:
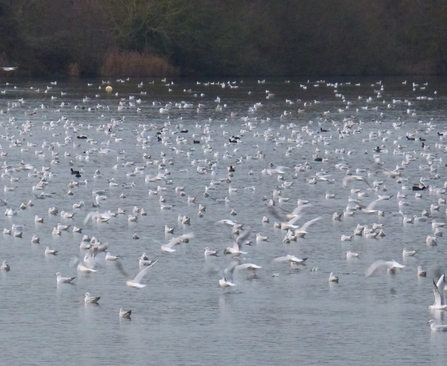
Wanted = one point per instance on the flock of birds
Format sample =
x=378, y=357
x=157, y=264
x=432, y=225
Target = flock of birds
x=181, y=162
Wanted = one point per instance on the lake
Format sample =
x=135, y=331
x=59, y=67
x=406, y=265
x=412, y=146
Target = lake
x=157, y=150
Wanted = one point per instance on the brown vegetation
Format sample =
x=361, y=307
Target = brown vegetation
x=125, y=63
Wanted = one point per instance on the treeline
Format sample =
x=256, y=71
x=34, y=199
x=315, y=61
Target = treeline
x=224, y=37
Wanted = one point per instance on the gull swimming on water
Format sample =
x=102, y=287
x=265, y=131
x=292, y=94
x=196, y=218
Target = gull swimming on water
x=61, y=279
x=125, y=313
x=350, y=254
x=144, y=260
x=49, y=251
x=208, y=252
x=333, y=277
x=437, y=327
x=5, y=266
x=110, y=257
x=90, y=299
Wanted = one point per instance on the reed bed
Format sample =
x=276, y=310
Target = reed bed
x=122, y=63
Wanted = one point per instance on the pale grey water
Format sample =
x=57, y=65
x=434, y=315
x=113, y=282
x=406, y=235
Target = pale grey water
x=183, y=317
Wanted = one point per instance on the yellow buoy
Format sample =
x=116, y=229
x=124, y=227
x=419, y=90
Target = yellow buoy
x=109, y=88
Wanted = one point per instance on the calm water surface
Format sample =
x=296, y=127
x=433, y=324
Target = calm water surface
x=183, y=317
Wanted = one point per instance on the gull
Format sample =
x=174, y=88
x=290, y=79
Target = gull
x=49, y=251
x=5, y=266
x=431, y=240
x=260, y=238
x=302, y=231
x=370, y=208
x=229, y=223
x=227, y=279
x=389, y=265
x=82, y=265
x=409, y=253
x=350, y=254
x=277, y=170
x=350, y=178
x=175, y=241
x=437, y=327
x=251, y=266
x=110, y=257
x=83, y=268
x=125, y=313
x=136, y=281
x=208, y=252
x=439, y=303
x=421, y=272
x=294, y=261
x=38, y=219
x=332, y=277
x=61, y=279
x=237, y=244
x=90, y=299
x=144, y=260
x=99, y=217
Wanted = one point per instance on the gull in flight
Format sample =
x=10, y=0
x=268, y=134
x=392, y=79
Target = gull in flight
x=439, y=303
x=237, y=244
x=136, y=281
x=99, y=217
x=227, y=279
x=391, y=267
x=277, y=170
x=370, y=208
x=350, y=178
x=175, y=241
x=125, y=313
x=251, y=266
x=294, y=261
x=302, y=231
x=61, y=279
x=83, y=266
x=90, y=299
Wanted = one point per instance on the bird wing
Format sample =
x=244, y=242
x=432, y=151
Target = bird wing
x=374, y=267
x=228, y=272
x=90, y=215
x=308, y=223
x=440, y=281
x=237, y=243
x=373, y=203
x=282, y=259
x=438, y=298
x=141, y=274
